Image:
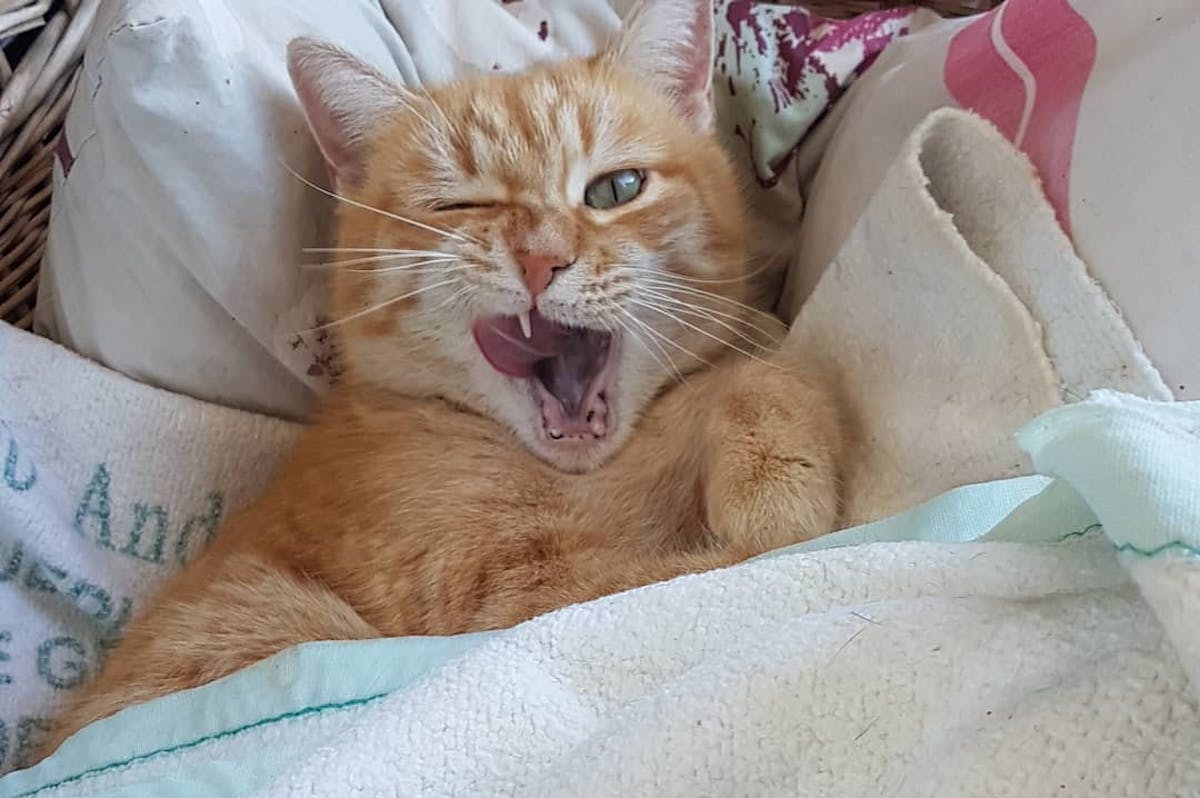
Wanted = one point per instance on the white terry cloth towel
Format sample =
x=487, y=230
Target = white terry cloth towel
x=107, y=484
x=956, y=311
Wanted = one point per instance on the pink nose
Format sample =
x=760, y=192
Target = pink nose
x=538, y=269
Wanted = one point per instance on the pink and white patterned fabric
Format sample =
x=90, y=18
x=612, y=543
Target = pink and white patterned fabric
x=1024, y=68
x=1100, y=95
x=779, y=70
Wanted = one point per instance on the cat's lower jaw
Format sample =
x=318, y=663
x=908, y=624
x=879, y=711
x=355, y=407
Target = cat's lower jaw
x=567, y=372
x=580, y=451
x=588, y=416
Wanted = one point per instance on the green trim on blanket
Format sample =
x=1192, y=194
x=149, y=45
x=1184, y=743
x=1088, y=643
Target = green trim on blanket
x=940, y=520
x=1174, y=546
x=1136, y=462
x=309, y=679
x=206, y=739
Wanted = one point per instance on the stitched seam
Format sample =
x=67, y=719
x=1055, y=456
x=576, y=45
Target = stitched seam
x=1129, y=548
x=1174, y=545
x=1081, y=533
x=299, y=713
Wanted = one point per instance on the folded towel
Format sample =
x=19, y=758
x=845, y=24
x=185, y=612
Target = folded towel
x=957, y=311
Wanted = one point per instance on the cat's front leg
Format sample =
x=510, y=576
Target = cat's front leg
x=774, y=446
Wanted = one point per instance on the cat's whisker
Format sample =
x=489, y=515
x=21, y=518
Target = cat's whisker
x=375, y=250
x=425, y=341
x=408, y=106
x=340, y=264
x=691, y=291
x=438, y=267
x=658, y=280
x=697, y=312
x=462, y=237
x=457, y=295
x=380, y=306
x=665, y=339
x=634, y=335
x=433, y=104
x=704, y=332
x=701, y=280
x=773, y=336
x=669, y=365
x=448, y=128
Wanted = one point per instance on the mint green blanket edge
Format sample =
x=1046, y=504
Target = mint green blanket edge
x=1116, y=461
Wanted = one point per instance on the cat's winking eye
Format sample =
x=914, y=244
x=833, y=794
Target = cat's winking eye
x=613, y=189
x=462, y=206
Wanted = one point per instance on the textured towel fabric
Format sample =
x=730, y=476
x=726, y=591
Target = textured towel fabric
x=1029, y=664
x=1101, y=95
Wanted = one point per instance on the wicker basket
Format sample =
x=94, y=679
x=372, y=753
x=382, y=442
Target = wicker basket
x=35, y=92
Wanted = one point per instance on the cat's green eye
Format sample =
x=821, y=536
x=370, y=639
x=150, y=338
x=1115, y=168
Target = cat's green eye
x=613, y=189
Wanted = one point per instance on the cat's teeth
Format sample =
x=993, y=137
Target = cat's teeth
x=526, y=327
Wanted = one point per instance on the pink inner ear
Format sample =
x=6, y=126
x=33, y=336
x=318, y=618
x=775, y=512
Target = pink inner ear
x=693, y=82
x=673, y=40
x=332, y=136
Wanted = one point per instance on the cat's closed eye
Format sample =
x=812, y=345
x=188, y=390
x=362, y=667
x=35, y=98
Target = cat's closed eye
x=613, y=189
x=462, y=206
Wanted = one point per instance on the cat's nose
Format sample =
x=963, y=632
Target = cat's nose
x=538, y=269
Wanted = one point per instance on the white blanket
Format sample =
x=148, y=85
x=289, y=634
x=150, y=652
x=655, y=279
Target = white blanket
x=850, y=671
x=1028, y=666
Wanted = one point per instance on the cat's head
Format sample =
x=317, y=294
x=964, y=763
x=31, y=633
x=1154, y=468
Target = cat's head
x=550, y=248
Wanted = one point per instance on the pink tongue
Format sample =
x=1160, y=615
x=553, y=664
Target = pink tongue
x=506, y=348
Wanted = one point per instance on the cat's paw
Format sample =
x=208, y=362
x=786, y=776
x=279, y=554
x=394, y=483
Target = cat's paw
x=771, y=474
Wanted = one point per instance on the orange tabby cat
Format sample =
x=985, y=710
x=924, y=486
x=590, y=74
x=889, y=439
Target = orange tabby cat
x=531, y=264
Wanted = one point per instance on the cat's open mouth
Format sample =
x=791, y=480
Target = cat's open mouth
x=568, y=369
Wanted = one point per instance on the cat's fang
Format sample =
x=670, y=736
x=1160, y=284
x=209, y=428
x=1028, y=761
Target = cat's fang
x=526, y=325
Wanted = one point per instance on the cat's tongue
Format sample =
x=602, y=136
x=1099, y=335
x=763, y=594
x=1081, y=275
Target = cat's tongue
x=567, y=366
x=506, y=347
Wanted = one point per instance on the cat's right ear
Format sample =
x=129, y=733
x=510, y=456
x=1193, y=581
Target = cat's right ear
x=344, y=99
x=670, y=42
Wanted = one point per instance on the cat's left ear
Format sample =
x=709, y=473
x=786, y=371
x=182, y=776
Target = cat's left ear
x=671, y=41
